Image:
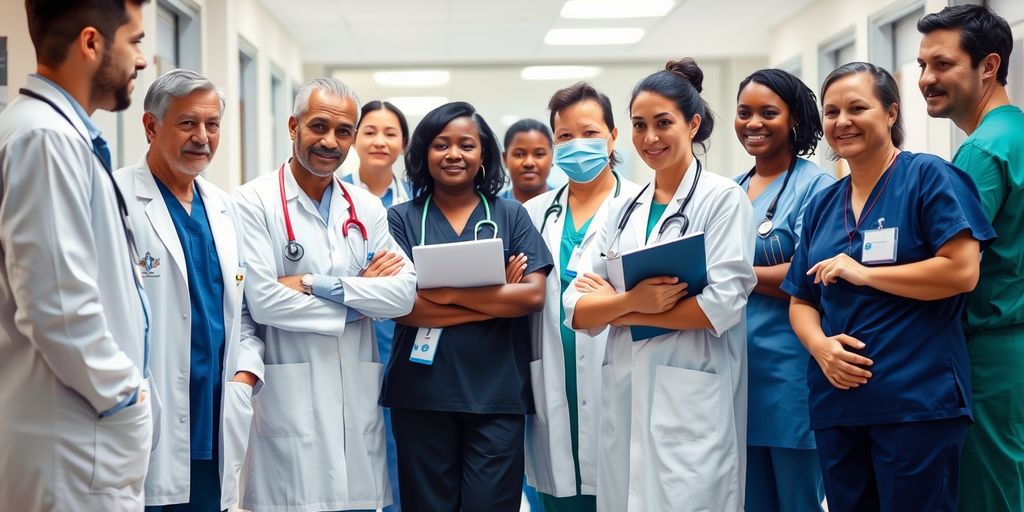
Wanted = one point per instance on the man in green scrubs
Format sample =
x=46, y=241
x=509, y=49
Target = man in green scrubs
x=964, y=57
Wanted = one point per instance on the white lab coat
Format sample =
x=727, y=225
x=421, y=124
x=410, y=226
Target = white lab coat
x=71, y=321
x=318, y=431
x=168, y=480
x=549, y=461
x=673, y=415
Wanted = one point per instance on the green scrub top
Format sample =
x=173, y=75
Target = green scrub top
x=571, y=239
x=657, y=209
x=994, y=157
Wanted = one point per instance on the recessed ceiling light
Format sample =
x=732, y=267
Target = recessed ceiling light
x=417, y=105
x=412, y=78
x=610, y=9
x=592, y=36
x=558, y=72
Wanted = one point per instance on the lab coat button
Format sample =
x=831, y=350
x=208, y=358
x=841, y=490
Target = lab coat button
x=583, y=403
x=583, y=356
x=181, y=419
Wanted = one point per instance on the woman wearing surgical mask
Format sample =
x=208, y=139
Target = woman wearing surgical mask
x=562, y=438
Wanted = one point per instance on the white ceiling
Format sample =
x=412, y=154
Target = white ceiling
x=380, y=33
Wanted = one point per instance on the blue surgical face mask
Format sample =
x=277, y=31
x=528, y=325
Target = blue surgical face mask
x=582, y=159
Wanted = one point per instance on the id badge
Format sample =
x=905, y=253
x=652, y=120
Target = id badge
x=880, y=246
x=574, y=263
x=425, y=345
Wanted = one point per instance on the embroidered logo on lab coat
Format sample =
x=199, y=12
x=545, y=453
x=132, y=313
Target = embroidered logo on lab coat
x=148, y=266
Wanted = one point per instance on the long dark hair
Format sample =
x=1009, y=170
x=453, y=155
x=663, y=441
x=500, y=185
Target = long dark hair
x=803, y=107
x=416, y=168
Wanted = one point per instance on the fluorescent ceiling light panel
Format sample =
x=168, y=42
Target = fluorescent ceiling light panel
x=417, y=105
x=615, y=9
x=592, y=36
x=558, y=72
x=412, y=78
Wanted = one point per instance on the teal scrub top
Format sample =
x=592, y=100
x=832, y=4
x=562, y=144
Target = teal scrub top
x=777, y=391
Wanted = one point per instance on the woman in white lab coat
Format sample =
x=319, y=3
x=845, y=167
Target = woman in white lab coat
x=562, y=437
x=317, y=438
x=673, y=415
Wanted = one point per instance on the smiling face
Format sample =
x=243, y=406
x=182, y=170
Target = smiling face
x=528, y=160
x=951, y=86
x=856, y=124
x=186, y=139
x=122, y=59
x=379, y=139
x=455, y=155
x=763, y=123
x=661, y=134
x=323, y=134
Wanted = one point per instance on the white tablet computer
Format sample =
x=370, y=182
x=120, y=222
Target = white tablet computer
x=460, y=264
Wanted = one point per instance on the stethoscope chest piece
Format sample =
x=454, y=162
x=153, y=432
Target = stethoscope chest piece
x=294, y=251
x=765, y=228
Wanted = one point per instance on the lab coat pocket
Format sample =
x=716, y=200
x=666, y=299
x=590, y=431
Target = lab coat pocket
x=237, y=423
x=284, y=408
x=614, y=401
x=539, y=393
x=686, y=404
x=123, y=441
x=371, y=416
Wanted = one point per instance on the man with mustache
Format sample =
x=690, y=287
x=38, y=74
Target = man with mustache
x=965, y=58
x=75, y=419
x=321, y=262
x=193, y=269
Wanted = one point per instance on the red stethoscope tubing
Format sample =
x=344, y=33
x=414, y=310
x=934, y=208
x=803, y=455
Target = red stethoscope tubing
x=352, y=221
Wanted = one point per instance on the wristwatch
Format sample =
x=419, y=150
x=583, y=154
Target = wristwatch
x=307, y=283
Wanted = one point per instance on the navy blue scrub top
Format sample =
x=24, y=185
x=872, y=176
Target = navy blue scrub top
x=919, y=350
x=206, y=296
x=480, y=367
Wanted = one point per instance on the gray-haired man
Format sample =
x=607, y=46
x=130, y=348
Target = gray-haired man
x=192, y=266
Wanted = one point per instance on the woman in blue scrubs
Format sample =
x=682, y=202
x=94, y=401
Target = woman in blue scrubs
x=458, y=421
x=877, y=283
x=777, y=121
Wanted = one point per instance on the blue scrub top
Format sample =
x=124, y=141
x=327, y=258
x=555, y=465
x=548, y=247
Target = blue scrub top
x=777, y=391
x=206, y=296
x=918, y=347
x=479, y=367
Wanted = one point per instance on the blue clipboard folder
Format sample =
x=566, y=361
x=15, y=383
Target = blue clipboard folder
x=683, y=258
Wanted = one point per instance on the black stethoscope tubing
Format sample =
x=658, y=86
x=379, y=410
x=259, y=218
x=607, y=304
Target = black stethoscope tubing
x=684, y=220
x=555, y=208
x=122, y=205
x=766, y=226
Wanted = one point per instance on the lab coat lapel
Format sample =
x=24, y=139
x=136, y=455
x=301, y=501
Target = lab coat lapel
x=159, y=217
x=224, y=239
x=553, y=231
x=637, y=224
x=44, y=89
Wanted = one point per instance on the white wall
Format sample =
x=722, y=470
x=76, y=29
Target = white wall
x=801, y=36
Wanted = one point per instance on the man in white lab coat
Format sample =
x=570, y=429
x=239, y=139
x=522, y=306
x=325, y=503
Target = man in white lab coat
x=75, y=419
x=321, y=261
x=194, y=272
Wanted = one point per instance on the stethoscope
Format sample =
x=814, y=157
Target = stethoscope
x=556, y=204
x=122, y=206
x=294, y=251
x=766, y=226
x=678, y=217
x=485, y=222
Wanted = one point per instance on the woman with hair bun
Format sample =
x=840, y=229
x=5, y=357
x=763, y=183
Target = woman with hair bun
x=673, y=419
x=777, y=121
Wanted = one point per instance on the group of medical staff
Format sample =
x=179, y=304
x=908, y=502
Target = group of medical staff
x=167, y=345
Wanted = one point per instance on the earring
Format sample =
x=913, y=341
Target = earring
x=483, y=172
x=792, y=134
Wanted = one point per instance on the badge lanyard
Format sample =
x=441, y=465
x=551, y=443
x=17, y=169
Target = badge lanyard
x=766, y=226
x=424, y=346
x=864, y=214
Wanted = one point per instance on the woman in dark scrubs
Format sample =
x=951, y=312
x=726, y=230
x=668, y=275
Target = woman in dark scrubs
x=459, y=420
x=878, y=284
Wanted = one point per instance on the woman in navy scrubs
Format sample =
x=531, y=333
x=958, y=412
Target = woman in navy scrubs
x=459, y=421
x=877, y=284
x=776, y=121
